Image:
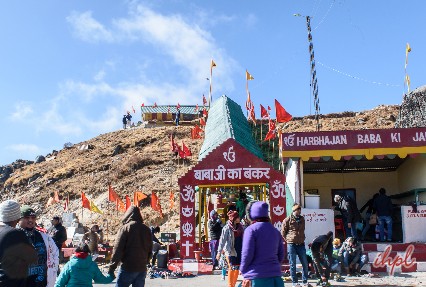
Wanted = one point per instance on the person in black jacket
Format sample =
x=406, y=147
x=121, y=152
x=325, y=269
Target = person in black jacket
x=58, y=232
x=16, y=252
x=322, y=255
x=350, y=213
x=369, y=212
x=383, y=206
x=215, y=230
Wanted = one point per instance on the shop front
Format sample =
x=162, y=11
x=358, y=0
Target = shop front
x=358, y=163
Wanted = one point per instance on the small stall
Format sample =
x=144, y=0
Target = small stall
x=358, y=163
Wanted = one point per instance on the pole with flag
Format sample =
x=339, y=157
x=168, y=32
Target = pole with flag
x=212, y=64
x=407, y=78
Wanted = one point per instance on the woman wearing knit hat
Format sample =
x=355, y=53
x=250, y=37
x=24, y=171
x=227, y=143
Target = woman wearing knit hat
x=230, y=243
x=263, y=249
x=16, y=253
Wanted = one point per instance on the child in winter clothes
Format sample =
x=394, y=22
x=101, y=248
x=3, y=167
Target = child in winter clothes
x=81, y=270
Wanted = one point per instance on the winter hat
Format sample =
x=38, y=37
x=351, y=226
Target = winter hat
x=26, y=210
x=9, y=211
x=213, y=213
x=232, y=215
x=259, y=209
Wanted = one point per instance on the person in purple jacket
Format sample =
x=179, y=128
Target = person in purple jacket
x=263, y=249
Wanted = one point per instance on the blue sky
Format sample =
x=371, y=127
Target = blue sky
x=70, y=69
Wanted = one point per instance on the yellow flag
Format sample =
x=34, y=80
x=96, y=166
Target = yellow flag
x=248, y=76
x=212, y=64
x=407, y=49
x=94, y=208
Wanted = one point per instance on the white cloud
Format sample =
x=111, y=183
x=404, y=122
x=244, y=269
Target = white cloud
x=22, y=111
x=99, y=76
x=87, y=28
x=24, y=148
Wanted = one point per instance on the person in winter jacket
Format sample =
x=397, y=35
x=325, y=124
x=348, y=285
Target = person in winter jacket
x=322, y=255
x=215, y=229
x=133, y=248
x=43, y=272
x=231, y=243
x=81, y=270
x=351, y=256
x=16, y=253
x=383, y=206
x=293, y=231
x=58, y=232
x=350, y=213
x=92, y=239
x=263, y=249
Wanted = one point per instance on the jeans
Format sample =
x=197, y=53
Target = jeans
x=213, y=245
x=347, y=259
x=300, y=251
x=382, y=220
x=125, y=279
x=350, y=232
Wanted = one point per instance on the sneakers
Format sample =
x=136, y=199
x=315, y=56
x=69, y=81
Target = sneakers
x=223, y=278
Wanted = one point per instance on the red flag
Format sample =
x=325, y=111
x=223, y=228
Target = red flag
x=269, y=108
x=196, y=108
x=172, y=199
x=195, y=132
x=204, y=112
x=178, y=106
x=133, y=109
x=174, y=146
x=263, y=113
x=282, y=115
x=186, y=150
x=180, y=151
x=112, y=195
x=202, y=122
x=56, y=196
x=155, y=203
x=84, y=201
x=204, y=100
x=271, y=133
x=128, y=202
x=137, y=197
x=143, y=105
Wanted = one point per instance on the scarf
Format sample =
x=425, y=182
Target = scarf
x=237, y=229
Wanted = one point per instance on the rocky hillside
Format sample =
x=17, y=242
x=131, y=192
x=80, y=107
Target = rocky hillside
x=132, y=160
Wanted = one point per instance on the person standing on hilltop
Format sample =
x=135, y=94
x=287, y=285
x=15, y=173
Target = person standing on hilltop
x=16, y=253
x=129, y=119
x=177, y=117
x=42, y=273
x=124, y=121
x=133, y=248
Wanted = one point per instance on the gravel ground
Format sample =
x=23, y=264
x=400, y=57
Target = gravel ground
x=401, y=280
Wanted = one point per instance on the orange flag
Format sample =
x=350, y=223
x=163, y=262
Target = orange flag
x=155, y=203
x=56, y=197
x=271, y=133
x=137, y=197
x=282, y=115
x=187, y=152
x=112, y=195
x=85, y=202
x=128, y=202
x=120, y=205
x=172, y=199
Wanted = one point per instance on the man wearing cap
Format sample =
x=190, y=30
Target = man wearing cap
x=43, y=272
x=293, y=231
x=16, y=254
x=215, y=229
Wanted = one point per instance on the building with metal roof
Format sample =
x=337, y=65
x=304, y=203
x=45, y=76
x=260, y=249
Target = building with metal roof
x=226, y=120
x=166, y=113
